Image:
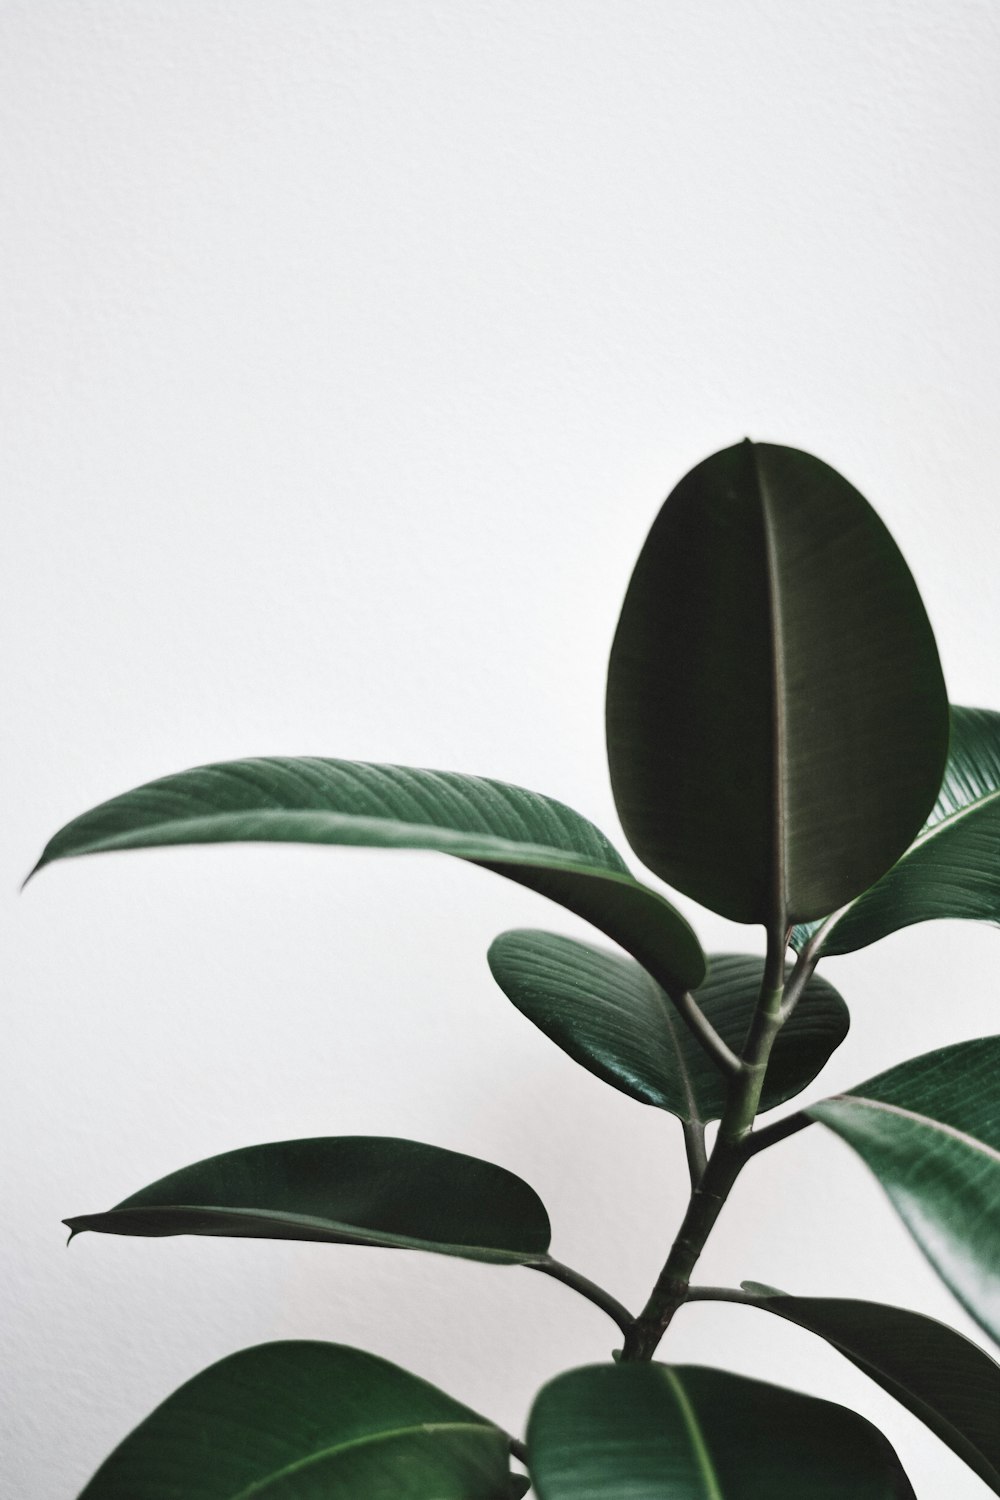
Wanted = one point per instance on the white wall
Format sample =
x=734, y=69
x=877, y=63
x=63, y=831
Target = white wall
x=348, y=350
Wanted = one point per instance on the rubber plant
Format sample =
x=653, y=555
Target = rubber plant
x=851, y=802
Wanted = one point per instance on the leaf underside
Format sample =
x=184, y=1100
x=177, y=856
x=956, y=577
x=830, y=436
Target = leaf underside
x=607, y=1013
x=944, y=1379
x=930, y=1131
x=307, y=1421
x=661, y=1432
x=363, y=1190
x=534, y=840
x=776, y=715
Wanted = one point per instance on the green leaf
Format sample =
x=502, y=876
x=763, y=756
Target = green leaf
x=661, y=1432
x=343, y=1190
x=777, y=720
x=943, y=1378
x=952, y=869
x=307, y=1421
x=930, y=1131
x=532, y=839
x=610, y=1016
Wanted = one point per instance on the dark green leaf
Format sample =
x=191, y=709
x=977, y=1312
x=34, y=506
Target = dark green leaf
x=661, y=1432
x=943, y=1378
x=354, y=1190
x=529, y=838
x=307, y=1421
x=952, y=869
x=777, y=720
x=930, y=1131
x=609, y=1015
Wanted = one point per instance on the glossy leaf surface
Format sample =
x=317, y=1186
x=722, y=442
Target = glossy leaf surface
x=952, y=869
x=529, y=838
x=777, y=720
x=358, y=1190
x=661, y=1432
x=930, y=1131
x=943, y=1378
x=610, y=1016
x=307, y=1421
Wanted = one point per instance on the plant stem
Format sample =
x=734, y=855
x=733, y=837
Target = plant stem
x=726, y=1161
x=694, y=1145
x=586, y=1288
x=518, y=1449
x=705, y=1033
x=779, y=1130
x=723, y=1294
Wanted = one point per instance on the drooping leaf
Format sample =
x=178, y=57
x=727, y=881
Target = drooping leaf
x=307, y=1421
x=943, y=1378
x=662, y=1432
x=610, y=1016
x=952, y=869
x=355, y=1190
x=930, y=1131
x=777, y=720
x=532, y=839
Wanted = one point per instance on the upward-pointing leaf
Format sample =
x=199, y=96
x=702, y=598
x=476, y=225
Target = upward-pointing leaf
x=952, y=868
x=777, y=720
x=343, y=1190
x=661, y=1432
x=308, y=1421
x=529, y=838
x=610, y=1016
x=930, y=1131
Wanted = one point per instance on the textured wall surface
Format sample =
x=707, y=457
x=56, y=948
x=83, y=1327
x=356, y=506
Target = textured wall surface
x=346, y=353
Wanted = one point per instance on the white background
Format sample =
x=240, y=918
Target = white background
x=348, y=350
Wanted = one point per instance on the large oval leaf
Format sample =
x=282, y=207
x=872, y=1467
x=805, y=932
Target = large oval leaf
x=952, y=869
x=943, y=1378
x=356, y=1190
x=529, y=838
x=661, y=1432
x=610, y=1016
x=777, y=720
x=308, y=1421
x=930, y=1131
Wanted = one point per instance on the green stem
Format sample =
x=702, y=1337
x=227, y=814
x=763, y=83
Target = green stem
x=518, y=1449
x=705, y=1033
x=586, y=1288
x=725, y=1163
x=778, y=1130
x=694, y=1145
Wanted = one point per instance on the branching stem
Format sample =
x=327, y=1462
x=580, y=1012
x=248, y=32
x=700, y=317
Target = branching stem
x=730, y=1152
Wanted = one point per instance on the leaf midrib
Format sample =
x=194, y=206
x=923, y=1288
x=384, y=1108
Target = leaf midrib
x=352, y=1233
x=779, y=894
x=696, y=1437
x=258, y=1486
x=926, y=1121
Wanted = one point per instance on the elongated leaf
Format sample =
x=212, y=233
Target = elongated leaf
x=943, y=1378
x=354, y=1190
x=308, y=1421
x=930, y=1131
x=610, y=1016
x=777, y=720
x=952, y=869
x=661, y=1432
x=529, y=838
